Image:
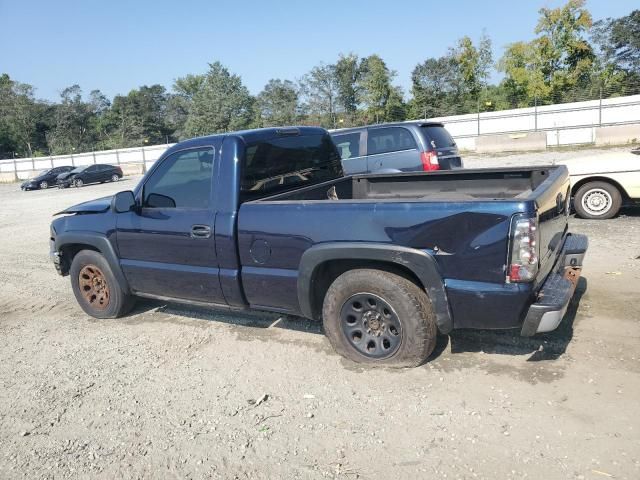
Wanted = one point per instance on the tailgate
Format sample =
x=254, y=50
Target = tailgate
x=552, y=199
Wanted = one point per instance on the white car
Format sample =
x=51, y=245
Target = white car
x=601, y=184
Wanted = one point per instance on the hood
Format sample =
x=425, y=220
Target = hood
x=99, y=205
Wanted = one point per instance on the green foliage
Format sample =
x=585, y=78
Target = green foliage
x=558, y=61
x=348, y=72
x=278, y=104
x=320, y=91
x=221, y=103
x=619, y=41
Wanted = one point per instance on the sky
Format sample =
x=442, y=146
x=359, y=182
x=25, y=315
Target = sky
x=116, y=45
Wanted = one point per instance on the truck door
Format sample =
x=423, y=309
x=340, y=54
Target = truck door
x=167, y=247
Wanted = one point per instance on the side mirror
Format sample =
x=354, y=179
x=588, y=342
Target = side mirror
x=123, y=202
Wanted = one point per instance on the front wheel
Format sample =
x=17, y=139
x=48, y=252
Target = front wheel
x=44, y=185
x=380, y=318
x=96, y=288
x=597, y=201
x=78, y=182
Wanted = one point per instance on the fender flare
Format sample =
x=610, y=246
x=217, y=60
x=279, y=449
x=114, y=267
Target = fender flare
x=101, y=243
x=420, y=263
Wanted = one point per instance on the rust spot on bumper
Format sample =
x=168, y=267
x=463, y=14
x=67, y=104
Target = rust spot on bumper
x=572, y=274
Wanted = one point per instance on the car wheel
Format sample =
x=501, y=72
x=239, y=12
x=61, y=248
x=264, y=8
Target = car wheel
x=44, y=185
x=379, y=318
x=115, y=177
x=96, y=288
x=78, y=182
x=597, y=200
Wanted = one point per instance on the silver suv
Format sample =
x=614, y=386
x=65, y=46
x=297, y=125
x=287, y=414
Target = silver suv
x=397, y=147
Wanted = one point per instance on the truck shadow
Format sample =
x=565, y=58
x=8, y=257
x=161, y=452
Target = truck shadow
x=545, y=346
x=175, y=312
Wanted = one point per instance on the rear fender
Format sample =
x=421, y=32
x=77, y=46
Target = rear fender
x=420, y=263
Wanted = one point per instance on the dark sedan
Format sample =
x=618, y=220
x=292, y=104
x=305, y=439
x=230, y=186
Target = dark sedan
x=92, y=174
x=45, y=179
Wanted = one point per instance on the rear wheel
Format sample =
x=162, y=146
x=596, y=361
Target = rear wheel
x=597, y=200
x=378, y=317
x=96, y=288
x=115, y=177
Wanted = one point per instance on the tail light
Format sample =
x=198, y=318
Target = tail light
x=429, y=161
x=524, y=248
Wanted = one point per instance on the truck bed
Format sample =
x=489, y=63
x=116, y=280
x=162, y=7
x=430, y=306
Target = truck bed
x=461, y=217
x=446, y=185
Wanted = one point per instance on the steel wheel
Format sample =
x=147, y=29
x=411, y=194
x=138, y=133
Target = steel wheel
x=44, y=185
x=115, y=178
x=597, y=201
x=94, y=287
x=371, y=326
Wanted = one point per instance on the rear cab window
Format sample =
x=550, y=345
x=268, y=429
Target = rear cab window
x=389, y=139
x=437, y=136
x=286, y=163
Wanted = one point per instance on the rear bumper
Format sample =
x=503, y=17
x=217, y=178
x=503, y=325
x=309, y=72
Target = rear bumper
x=546, y=313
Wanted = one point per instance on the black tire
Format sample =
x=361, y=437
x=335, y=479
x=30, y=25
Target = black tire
x=78, y=182
x=115, y=177
x=117, y=303
x=398, y=304
x=44, y=185
x=597, y=201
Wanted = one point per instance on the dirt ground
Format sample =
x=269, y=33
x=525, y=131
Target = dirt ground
x=177, y=392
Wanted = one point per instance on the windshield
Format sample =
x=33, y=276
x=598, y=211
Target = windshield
x=77, y=170
x=438, y=137
x=286, y=163
x=41, y=172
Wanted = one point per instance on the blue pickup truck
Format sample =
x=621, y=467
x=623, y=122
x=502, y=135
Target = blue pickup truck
x=265, y=219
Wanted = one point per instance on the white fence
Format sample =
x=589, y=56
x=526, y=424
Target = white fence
x=564, y=124
x=21, y=168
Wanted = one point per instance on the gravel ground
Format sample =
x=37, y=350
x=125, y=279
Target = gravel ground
x=177, y=392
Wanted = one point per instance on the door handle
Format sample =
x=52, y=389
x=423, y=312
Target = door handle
x=200, y=231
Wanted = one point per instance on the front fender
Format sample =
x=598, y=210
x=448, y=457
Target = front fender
x=419, y=262
x=99, y=242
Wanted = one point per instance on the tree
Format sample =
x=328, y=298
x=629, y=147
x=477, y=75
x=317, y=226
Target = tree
x=320, y=90
x=73, y=123
x=278, y=104
x=347, y=72
x=19, y=117
x=619, y=41
x=474, y=64
x=555, y=63
x=137, y=118
x=436, y=87
x=220, y=104
x=375, y=84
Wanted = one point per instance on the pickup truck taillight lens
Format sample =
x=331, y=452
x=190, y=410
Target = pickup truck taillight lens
x=523, y=249
x=429, y=161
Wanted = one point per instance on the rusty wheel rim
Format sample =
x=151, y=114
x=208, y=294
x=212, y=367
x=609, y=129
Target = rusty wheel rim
x=94, y=287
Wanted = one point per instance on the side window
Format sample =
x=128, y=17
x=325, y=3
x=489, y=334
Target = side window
x=390, y=139
x=183, y=180
x=92, y=169
x=348, y=145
